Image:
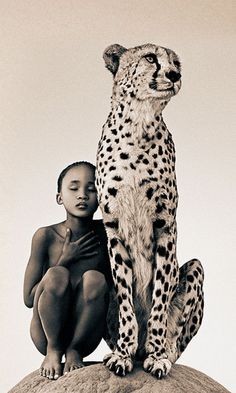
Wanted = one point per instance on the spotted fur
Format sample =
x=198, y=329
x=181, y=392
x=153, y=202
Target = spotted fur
x=157, y=307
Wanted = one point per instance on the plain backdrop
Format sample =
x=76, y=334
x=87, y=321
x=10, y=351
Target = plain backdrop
x=54, y=98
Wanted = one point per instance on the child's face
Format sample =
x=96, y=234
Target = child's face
x=78, y=193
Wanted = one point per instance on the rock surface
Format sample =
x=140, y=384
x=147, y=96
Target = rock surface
x=97, y=378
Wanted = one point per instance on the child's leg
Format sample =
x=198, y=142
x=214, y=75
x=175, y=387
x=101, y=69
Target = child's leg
x=186, y=309
x=89, y=318
x=50, y=312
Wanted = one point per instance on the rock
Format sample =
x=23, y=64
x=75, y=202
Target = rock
x=97, y=378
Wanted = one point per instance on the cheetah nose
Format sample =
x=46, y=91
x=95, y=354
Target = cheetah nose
x=173, y=76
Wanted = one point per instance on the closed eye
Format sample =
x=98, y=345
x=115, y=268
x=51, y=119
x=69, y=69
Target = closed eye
x=92, y=189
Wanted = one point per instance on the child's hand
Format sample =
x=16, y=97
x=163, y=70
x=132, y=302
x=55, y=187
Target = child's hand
x=86, y=246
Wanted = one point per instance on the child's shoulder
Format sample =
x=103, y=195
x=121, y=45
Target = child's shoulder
x=48, y=233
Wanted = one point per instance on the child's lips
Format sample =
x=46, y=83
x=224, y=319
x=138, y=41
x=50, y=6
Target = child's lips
x=82, y=205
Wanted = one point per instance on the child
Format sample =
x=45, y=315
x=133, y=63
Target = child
x=67, y=276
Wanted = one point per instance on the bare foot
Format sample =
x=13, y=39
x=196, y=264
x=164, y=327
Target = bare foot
x=51, y=366
x=73, y=361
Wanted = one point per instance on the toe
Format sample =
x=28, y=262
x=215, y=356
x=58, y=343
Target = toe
x=57, y=372
x=159, y=374
x=66, y=370
x=73, y=367
x=112, y=366
x=50, y=374
x=120, y=371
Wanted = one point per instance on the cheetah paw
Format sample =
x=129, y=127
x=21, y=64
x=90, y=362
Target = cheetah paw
x=118, y=364
x=157, y=367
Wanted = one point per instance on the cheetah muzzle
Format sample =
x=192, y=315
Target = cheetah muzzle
x=156, y=307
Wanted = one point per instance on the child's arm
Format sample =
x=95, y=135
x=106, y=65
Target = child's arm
x=35, y=268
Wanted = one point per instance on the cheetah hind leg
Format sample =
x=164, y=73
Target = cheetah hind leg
x=184, y=319
x=186, y=309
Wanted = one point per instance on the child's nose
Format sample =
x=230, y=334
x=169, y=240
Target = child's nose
x=82, y=194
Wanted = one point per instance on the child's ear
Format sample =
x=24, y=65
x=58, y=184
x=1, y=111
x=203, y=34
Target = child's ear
x=59, y=199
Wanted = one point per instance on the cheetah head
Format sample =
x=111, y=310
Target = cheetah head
x=143, y=72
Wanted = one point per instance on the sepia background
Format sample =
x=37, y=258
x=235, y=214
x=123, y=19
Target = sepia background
x=54, y=98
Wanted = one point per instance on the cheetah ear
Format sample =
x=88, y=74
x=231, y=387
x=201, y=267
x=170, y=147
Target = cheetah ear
x=112, y=56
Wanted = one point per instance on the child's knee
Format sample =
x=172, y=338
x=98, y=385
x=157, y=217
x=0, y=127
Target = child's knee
x=56, y=280
x=94, y=285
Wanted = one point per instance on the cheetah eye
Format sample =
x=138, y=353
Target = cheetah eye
x=151, y=58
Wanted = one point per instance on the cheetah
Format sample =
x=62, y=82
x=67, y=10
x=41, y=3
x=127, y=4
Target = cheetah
x=156, y=307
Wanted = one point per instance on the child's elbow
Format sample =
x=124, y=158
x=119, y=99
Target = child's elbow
x=28, y=304
x=29, y=301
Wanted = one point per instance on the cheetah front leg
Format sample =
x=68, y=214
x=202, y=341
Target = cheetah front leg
x=165, y=277
x=120, y=360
